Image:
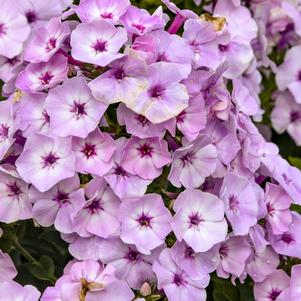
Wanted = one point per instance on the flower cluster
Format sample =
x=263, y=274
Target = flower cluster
x=133, y=135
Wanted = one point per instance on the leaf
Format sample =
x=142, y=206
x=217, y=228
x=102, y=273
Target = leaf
x=224, y=290
x=44, y=269
x=295, y=161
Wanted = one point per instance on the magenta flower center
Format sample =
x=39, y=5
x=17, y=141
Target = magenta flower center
x=140, y=27
x=31, y=16
x=274, y=294
x=120, y=171
x=187, y=159
x=99, y=46
x=142, y=120
x=223, y=251
x=46, y=117
x=119, y=74
x=107, y=15
x=299, y=75
x=233, y=203
x=287, y=238
x=194, y=219
x=144, y=220
x=156, y=91
x=2, y=30
x=13, y=189
x=181, y=117
x=50, y=160
x=61, y=198
x=133, y=255
x=79, y=109
x=189, y=252
x=51, y=44
x=4, y=131
x=295, y=116
x=223, y=48
x=178, y=280
x=46, y=78
x=94, y=207
x=145, y=150
x=89, y=150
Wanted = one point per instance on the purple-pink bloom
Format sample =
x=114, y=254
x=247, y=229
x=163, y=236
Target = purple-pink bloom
x=46, y=41
x=271, y=287
x=99, y=214
x=14, y=199
x=286, y=116
x=94, y=154
x=289, y=242
x=145, y=222
x=193, y=163
x=175, y=282
x=130, y=265
x=57, y=205
x=201, y=36
x=110, y=10
x=8, y=127
x=33, y=115
x=278, y=204
x=138, y=125
x=90, y=281
x=262, y=264
x=193, y=119
x=72, y=109
x=41, y=76
x=199, y=219
x=289, y=73
x=163, y=97
x=13, y=291
x=97, y=42
x=123, y=183
x=145, y=157
x=241, y=202
x=138, y=21
x=7, y=268
x=45, y=161
x=234, y=253
x=125, y=79
x=14, y=29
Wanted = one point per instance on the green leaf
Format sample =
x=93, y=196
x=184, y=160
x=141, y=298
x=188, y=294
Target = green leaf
x=224, y=290
x=295, y=161
x=44, y=269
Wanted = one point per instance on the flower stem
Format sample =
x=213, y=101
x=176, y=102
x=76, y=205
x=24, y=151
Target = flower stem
x=24, y=252
x=71, y=60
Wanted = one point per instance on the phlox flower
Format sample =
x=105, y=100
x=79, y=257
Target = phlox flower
x=164, y=97
x=94, y=154
x=193, y=163
x=7, y=268
x=72, y=109
x=145, y=157
x=97, y=42
x=99, y=214
x=47, y=41
x=13, y=291
x=199, y=219
x=90, y=281
x=123, y=183
x=175, y=282
x=14, y=30
x=110, y=10
x=145, y=222
x=45, y=161
x=56, y=206
x=41, y=76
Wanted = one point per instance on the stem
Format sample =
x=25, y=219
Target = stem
x=24, y=252
x=71, y=60
x=176, y=24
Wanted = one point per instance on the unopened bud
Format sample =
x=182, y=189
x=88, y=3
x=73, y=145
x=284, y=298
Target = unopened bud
x=145, y=289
